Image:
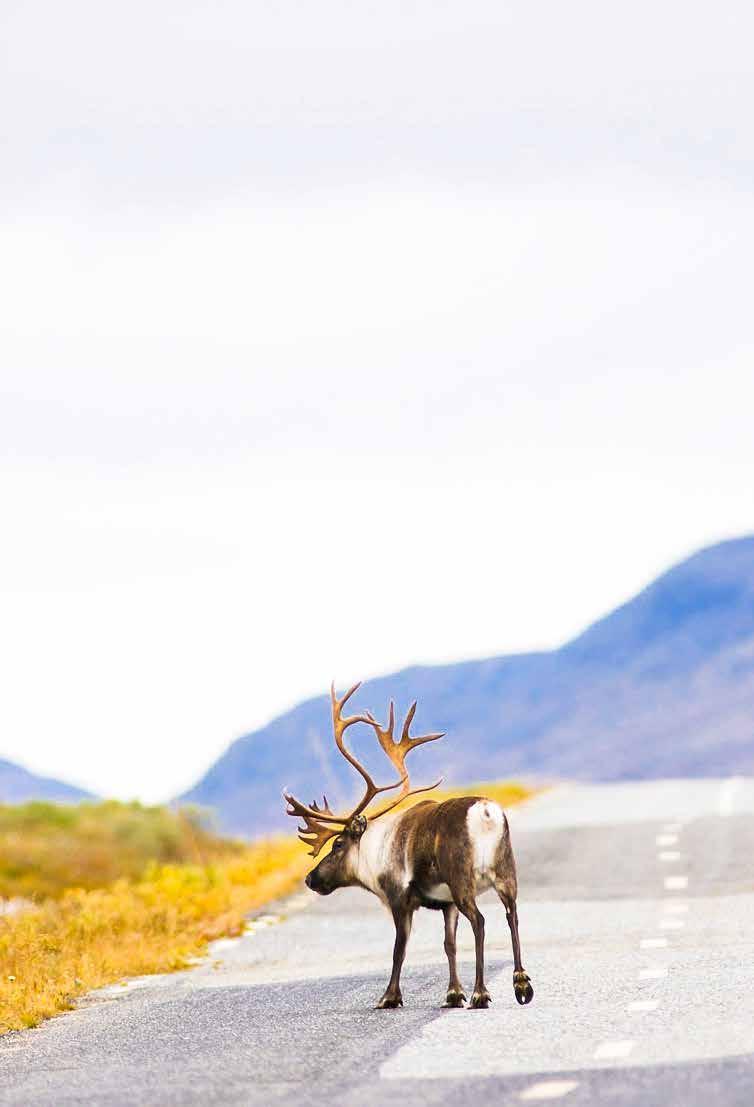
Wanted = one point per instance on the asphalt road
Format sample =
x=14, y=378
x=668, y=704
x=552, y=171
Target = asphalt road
x=636, y=906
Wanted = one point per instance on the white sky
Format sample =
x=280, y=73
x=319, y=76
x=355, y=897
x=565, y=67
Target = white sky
x=340, y=336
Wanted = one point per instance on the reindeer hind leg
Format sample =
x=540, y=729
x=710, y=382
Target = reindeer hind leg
x=467, y=906
x=455, y=996
x=522, y=986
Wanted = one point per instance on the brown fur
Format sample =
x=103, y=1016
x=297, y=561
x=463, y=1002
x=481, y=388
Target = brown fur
x=435, y=838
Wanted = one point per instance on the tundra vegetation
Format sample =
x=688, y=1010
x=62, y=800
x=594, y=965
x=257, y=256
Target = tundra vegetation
x=111, y=890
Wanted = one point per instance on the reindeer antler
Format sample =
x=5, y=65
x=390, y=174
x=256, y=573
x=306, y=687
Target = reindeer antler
x=322, y=824
x=316, y=833
x=397, y=753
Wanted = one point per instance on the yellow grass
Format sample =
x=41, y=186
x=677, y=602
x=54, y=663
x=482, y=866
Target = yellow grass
x=52, y=953
x=86, y=937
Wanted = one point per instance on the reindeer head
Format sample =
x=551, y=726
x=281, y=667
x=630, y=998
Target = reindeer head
x=338, y=868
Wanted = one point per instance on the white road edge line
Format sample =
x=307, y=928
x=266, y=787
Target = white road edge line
x=610, y=1051
x=549, y=1089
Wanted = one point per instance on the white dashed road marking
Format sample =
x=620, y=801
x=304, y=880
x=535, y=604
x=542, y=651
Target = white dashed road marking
x=549, y=1089
x=653, y=943
x=671, y=924
x=675, y=908
x=643, y=1005
x=657, y=973
x=676, y=883
x=669, y=855
x=612, y=1051
x=666, y=839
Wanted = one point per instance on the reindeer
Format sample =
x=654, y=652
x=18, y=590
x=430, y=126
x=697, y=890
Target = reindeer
x=436, y=855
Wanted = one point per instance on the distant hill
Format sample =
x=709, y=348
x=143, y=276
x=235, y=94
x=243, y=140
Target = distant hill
x=17, y=785
x=663, y=686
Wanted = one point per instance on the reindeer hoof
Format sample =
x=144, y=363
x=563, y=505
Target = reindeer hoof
x=522, y=987
x=454, y=999
x=481, y=1000
x=388, y=1002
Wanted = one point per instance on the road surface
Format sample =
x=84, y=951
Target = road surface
x=636, y=905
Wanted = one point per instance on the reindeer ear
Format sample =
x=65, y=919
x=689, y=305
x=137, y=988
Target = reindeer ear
x=357, y=826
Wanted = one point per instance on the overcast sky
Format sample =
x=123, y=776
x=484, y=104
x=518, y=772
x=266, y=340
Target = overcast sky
x=340, y=336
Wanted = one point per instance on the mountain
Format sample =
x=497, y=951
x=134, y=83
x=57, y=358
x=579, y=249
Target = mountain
x=663, y=686
x=17, y=785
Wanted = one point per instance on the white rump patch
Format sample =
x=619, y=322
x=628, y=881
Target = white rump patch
x=486, y=824
x=440, y=892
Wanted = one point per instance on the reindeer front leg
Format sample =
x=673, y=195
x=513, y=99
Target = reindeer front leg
x=402, y=917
